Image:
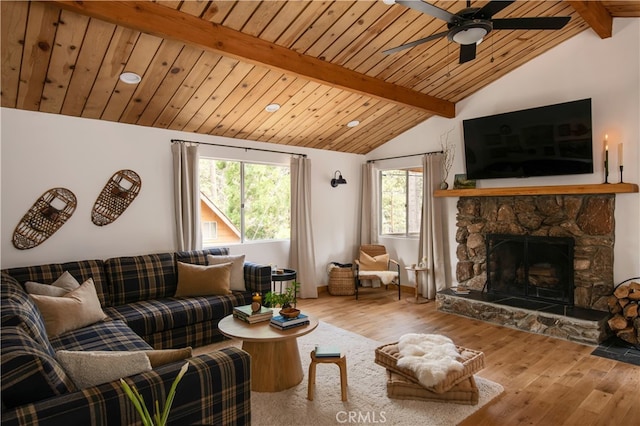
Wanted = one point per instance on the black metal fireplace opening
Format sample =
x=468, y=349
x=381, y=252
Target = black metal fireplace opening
x=531, y=267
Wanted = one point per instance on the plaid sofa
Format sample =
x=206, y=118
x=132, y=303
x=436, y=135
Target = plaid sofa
x=136, y=293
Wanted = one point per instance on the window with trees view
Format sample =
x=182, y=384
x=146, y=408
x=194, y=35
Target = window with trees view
x=248, y=201
x=400, y=202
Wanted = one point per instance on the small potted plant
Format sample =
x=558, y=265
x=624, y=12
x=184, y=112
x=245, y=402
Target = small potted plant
x=287, y=300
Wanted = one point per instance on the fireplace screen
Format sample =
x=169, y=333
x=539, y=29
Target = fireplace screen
x=531, y=267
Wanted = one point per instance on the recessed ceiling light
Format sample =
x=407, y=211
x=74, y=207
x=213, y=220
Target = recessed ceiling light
x=388, y=2
x=130, y=78
x=353, y=123
x=272, y=107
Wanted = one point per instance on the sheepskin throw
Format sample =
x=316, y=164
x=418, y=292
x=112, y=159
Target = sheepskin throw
x=386, y=277
x=429, y=356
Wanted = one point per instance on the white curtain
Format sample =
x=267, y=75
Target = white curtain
x=186, y=195
x=431, y=238
x=302, y=256
x=369, y=206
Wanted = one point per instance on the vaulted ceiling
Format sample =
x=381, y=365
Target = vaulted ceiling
x=211, y=67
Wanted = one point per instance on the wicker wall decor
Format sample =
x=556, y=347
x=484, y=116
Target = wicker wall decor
x=44, y=218
x=118, y=193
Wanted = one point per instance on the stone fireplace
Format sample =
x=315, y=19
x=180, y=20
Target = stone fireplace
x=539, y=263
x=587, y=220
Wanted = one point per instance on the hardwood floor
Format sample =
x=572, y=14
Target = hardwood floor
x=547, y=381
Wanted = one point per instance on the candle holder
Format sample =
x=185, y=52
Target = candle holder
x=621, y=173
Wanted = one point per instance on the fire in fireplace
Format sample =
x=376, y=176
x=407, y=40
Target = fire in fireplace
x=531, y=267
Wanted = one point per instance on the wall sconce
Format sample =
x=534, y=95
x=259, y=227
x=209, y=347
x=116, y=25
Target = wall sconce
x=339, y=181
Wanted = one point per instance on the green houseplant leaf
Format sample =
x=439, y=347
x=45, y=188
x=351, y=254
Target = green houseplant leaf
x=159, y=417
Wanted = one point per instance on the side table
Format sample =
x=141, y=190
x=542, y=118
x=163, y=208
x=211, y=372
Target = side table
x=417, y=299
x=275, y=356
x=286, y=275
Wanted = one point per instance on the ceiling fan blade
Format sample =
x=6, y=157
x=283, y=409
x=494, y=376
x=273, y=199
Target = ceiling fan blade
x=467, y=52
x=542, y=23
x=491, y=9
x=430, y=9
x=415, y=43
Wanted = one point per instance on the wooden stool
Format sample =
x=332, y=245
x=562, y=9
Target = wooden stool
x=341, y=362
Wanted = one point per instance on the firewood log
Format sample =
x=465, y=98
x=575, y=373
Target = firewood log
x=617, y=322
x=614, y=306
x=542, y=271
x=635, y=295
x=621, y=292
x=634, y=286
x=630, y=311
x=628, y=335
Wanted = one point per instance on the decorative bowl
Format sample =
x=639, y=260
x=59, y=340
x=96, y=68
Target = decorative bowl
x=290, y=312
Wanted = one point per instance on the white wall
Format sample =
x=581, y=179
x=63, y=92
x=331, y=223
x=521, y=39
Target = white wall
x=608, y=71
x=41, y=151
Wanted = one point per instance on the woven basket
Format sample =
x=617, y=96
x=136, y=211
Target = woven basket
x=473, y=361
x=399, y=387
x=341, y=282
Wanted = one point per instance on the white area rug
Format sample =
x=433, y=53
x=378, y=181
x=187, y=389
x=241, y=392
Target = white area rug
x=367, y=392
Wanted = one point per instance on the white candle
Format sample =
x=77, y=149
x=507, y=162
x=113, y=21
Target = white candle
x=620, y=154
x=606, y=149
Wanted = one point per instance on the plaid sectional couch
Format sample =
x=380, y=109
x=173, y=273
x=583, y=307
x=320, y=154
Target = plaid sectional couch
x=137, y=295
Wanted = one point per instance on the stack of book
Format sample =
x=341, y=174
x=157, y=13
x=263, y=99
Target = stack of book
x=283, y=323
x=246, y=314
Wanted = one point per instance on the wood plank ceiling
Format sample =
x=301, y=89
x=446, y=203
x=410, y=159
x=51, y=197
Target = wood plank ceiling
x=322, y=61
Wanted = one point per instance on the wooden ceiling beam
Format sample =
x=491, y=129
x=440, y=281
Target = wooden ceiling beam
x=164, y=22
x=596, y=15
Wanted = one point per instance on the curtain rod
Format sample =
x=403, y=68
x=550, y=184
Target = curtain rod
x=240, y=147
x=404, y=156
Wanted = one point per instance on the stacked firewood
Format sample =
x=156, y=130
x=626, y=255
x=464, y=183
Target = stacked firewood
x=543, y=275
x=623, y=304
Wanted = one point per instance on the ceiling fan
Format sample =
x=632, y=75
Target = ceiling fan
x=470, y=25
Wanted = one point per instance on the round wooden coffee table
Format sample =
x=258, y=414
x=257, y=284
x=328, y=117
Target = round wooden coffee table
x=275, y=358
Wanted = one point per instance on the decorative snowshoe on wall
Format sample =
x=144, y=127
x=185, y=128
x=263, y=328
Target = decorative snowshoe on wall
x=118, y=193
x=44, y=218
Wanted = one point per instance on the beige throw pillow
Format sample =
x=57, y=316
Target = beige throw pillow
x=165, y=356
x=63, y=285
x=237, y=269
x=76, y=309
x=377, y=263
x=92, y=368
x=199, y=280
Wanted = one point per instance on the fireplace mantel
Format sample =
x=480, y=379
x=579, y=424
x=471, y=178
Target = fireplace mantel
x=602, y=188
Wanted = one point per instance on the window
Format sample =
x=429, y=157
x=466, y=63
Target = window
x=247, y=201
x=400, y=202
x=209, y=231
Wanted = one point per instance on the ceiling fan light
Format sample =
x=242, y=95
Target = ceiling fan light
x=469, y=35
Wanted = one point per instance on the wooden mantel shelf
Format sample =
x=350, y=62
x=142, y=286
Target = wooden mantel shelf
x=602, y=188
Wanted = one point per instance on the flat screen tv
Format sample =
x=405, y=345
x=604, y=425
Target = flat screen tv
x=545, y=141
